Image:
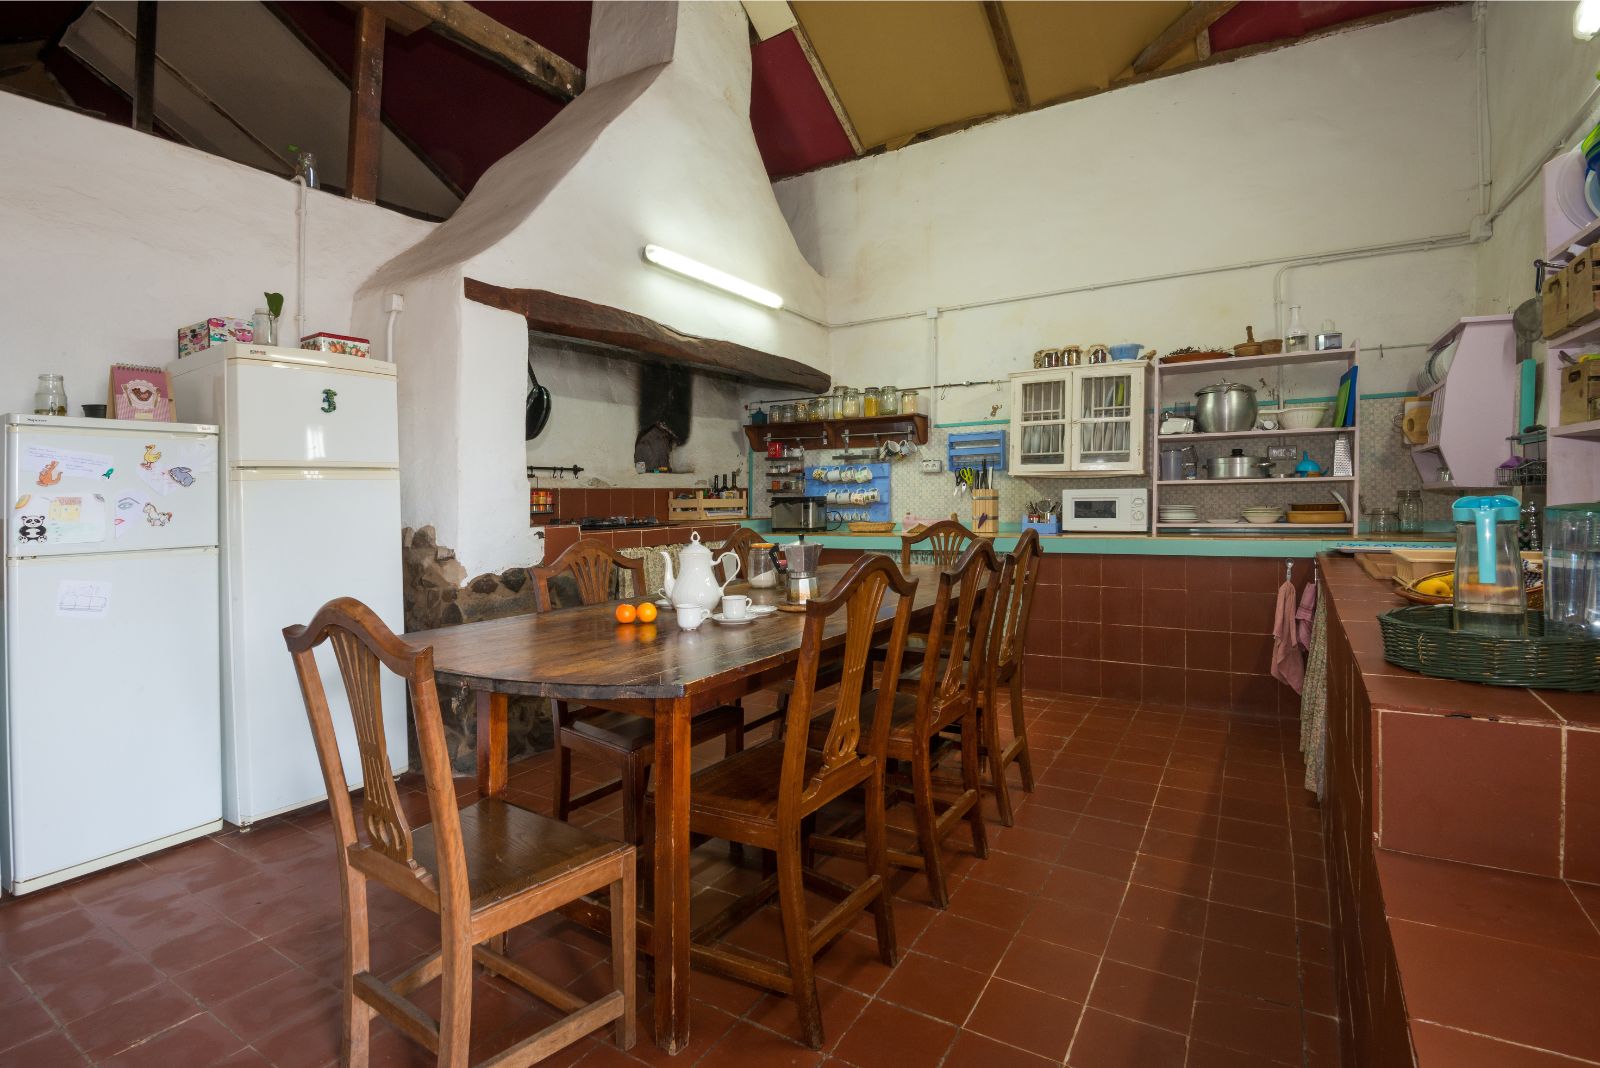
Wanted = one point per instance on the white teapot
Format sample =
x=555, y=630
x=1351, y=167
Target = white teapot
x=696, y=583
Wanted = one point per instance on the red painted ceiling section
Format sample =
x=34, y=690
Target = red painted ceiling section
x=794, y=124
x=463, y=111
x=1273, y=20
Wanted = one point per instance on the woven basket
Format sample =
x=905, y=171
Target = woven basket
x=1422, y=638
x=1408, y=590
x=863, y=527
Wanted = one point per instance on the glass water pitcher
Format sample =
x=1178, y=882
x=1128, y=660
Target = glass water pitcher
x=1489, y=595
x=1572, y=570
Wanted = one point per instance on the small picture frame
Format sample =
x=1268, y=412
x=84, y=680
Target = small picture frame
x=138, y=392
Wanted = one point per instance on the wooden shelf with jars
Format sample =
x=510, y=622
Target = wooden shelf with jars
x=831, y=433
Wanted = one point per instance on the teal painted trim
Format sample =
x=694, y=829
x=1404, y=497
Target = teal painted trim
x=1364, y=396
x=976, y=422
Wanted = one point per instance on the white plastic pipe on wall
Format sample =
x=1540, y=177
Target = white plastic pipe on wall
x=299, y=263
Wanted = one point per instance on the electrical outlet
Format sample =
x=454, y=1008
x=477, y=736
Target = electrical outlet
x=932, y=467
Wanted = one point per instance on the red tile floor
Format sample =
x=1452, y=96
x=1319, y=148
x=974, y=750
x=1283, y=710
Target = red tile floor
x=1160, y=901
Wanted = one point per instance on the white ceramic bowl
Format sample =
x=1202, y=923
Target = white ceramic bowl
x=1303, y=416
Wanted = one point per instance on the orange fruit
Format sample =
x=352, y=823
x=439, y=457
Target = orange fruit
x=647, y=612
x=626, y=613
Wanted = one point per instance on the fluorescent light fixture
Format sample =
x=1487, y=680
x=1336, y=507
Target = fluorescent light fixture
x=678, y=263
x=1586, y=19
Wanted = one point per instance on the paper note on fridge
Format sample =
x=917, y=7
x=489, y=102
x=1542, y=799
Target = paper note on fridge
x=67, y=463
x=172, y=466
x=83, y=599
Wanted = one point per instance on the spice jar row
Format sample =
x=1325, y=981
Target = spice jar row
x=845, y=402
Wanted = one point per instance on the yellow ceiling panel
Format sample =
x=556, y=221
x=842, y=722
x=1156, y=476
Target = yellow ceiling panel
x=1069, y=48
x=904, y=66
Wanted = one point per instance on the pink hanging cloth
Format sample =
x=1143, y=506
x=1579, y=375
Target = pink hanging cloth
x=1288, y=664
x=1306, y=614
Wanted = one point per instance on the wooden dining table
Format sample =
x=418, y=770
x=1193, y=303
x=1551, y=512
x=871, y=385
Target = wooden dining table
x=657, y=670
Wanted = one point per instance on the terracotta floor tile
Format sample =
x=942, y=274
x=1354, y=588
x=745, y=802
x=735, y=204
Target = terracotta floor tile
x=1460, y=1049
x=934, y=988
x=1205, y=1055
x=994, y=905
x=1156, y=949
x=198, y=1040
x=972, y=1050
x=1252, y=929
x=91, y=973
x=743, y=1045
x=1251, y=972
x=963, y=941
x=1083, y=929
x=51, y=1050
x=1100, y=860
x=1247, y=1025
x=25, y=1019
x=888, y=1034
x=114, y=1028
x=1084, y=889
x=1026, y=1018
x=1058, y=970
x=1163, y=1001
x=1252, y=892
x=1105, y=1039
x=1161, y=908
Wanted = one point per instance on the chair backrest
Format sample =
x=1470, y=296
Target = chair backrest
x=945, y=540
x=958, y=632
x=590, y=570
x=859, y=594
x=363, y=646
x=1011, y=624
x=739, y=545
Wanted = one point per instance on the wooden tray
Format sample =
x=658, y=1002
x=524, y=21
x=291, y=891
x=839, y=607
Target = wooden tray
x=861, y=527
x=1195, y=357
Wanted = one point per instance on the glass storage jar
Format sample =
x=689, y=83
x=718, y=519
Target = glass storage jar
x=802, y=411
x=910, y=402
x=1409, y=504
x=837, y=405
x=1383, y=521
x=783, y=413
x=852, y=404
x=888, y=400
x=51, y=396
x=869, y=401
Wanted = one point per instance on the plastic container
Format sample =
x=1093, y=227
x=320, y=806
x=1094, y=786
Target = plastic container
x=1572, y=569
x=1489, y=593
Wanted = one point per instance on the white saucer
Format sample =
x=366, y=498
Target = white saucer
x=763, y=609
x=741, y=621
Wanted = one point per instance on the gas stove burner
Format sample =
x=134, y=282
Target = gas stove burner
x=616, y=522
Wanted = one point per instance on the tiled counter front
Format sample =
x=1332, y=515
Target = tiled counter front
x=1462, y=825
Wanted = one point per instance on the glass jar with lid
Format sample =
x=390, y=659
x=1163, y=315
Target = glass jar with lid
x=1383, y=521
x=910, y=402
x=852, y=404
x=1408, y=504
x=783, y=413
x=837, y=405
x=825, y=408
x=50, y=398
x=888, y=400
x=869, y=401
x=802, y=410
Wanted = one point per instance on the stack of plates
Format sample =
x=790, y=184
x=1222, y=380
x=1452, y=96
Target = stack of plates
x=1178, y=513
x=1263, y=514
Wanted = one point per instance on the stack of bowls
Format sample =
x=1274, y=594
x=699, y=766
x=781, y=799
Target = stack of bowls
x=1178, y=513
x=1263, y=514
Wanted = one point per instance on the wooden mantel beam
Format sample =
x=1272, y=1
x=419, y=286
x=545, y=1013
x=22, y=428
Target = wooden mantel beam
x=366, y=108
x=472, y=29
x=582, y=320
x=1010, y=62
x=1182, y=32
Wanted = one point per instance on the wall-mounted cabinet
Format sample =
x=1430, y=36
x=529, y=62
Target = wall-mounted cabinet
x=1473, y=367
x=1079, y=421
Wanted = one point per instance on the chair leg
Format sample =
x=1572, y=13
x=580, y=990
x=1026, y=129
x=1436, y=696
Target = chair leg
x=972, y=782
x=1019, y=727
x=624, y=960
x=455, y=1010
x=797, y=941
x=878, y=864
x=358, y=958
x=989, y=722
x=927, y=834
x=563, y=791
x=634, y=781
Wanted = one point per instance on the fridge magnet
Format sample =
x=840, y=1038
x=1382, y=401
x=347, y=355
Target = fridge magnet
x=84, y=599
x=155, y=517
x=181, y=475
x=141, y=393
x=22, y=502
x=48, y=475
x=151, y=455
x=32, y=528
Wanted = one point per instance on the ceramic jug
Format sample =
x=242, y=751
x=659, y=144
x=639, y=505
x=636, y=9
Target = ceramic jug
x=695, y=583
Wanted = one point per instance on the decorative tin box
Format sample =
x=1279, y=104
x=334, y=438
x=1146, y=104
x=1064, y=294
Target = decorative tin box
x=217, y=330
x=338, y=344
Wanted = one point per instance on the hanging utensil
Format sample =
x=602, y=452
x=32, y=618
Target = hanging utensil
x=536, y=412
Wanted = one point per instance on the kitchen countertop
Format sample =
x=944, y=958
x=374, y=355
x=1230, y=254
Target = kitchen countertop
x=1134, y=544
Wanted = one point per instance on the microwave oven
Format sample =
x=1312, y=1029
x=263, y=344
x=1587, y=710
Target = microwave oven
x=1090, y=510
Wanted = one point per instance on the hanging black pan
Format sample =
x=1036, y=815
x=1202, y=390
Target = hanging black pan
x=537, y=413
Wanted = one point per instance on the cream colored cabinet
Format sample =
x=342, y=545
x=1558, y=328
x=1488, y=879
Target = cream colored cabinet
x=1078, y=420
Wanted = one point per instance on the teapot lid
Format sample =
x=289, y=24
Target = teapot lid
x=694, y=546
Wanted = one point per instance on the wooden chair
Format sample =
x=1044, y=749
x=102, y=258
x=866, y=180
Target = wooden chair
x=738, y=544
x=944, y=697
x=1003, y=667
x=946, y=539
x=620, y=738
x=767, y=795
x=484, y=869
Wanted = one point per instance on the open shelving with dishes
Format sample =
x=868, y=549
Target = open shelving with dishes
x=1211, y=497
x=1572, y=445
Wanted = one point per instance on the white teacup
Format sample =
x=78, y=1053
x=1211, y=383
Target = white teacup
x=864, y=475
x=690, y=616
x=735, y=606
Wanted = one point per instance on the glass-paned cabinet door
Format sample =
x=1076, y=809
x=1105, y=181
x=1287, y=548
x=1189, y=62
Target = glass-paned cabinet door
x=1108, y=418
x=1040, y=417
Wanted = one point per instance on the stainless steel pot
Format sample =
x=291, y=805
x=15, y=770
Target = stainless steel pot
x=1238, y=465
x=1225, y=408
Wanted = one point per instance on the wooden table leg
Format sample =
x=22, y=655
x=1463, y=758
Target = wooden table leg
x=670, y=939
x=492, y=754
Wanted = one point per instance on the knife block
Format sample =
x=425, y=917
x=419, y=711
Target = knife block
x=986, y=512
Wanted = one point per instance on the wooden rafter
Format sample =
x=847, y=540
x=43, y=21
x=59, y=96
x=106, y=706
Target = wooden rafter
x=471, y=28
x=366, y=108
x=1182, y=32
x=144, y=66
x=1006, y=45
x=827, y=89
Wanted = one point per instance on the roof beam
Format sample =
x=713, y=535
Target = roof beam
x=144, y=66
x=1182, y=32
x=477, y=32
x=827, y=89
x=366, y=108
x=1006, y=45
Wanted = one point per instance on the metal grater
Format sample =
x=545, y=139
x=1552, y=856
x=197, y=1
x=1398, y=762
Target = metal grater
x=1343, y=466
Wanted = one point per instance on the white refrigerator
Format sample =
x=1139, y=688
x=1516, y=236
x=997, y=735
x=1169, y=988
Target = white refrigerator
x=110, y=731
x=310, y=512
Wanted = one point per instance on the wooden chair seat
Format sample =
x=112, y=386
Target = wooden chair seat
x=628, y=733
x=746, y=784
x=510, y=849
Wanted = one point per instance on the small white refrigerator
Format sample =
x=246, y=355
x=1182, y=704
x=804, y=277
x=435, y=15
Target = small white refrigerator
x=110, y=732
x=310, y=512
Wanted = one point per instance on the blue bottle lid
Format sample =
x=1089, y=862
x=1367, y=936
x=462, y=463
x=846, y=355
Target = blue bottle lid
x=1500, y=507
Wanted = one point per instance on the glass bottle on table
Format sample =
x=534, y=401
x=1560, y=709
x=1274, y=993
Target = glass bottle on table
x=1295, y=336
x=50, y=398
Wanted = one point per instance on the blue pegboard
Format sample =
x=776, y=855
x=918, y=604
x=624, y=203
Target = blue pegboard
x=880, y=511
x=972, y=449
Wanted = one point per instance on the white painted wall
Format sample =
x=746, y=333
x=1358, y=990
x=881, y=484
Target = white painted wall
x=113, y=240
x=650, y=151
x=1361, y=138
